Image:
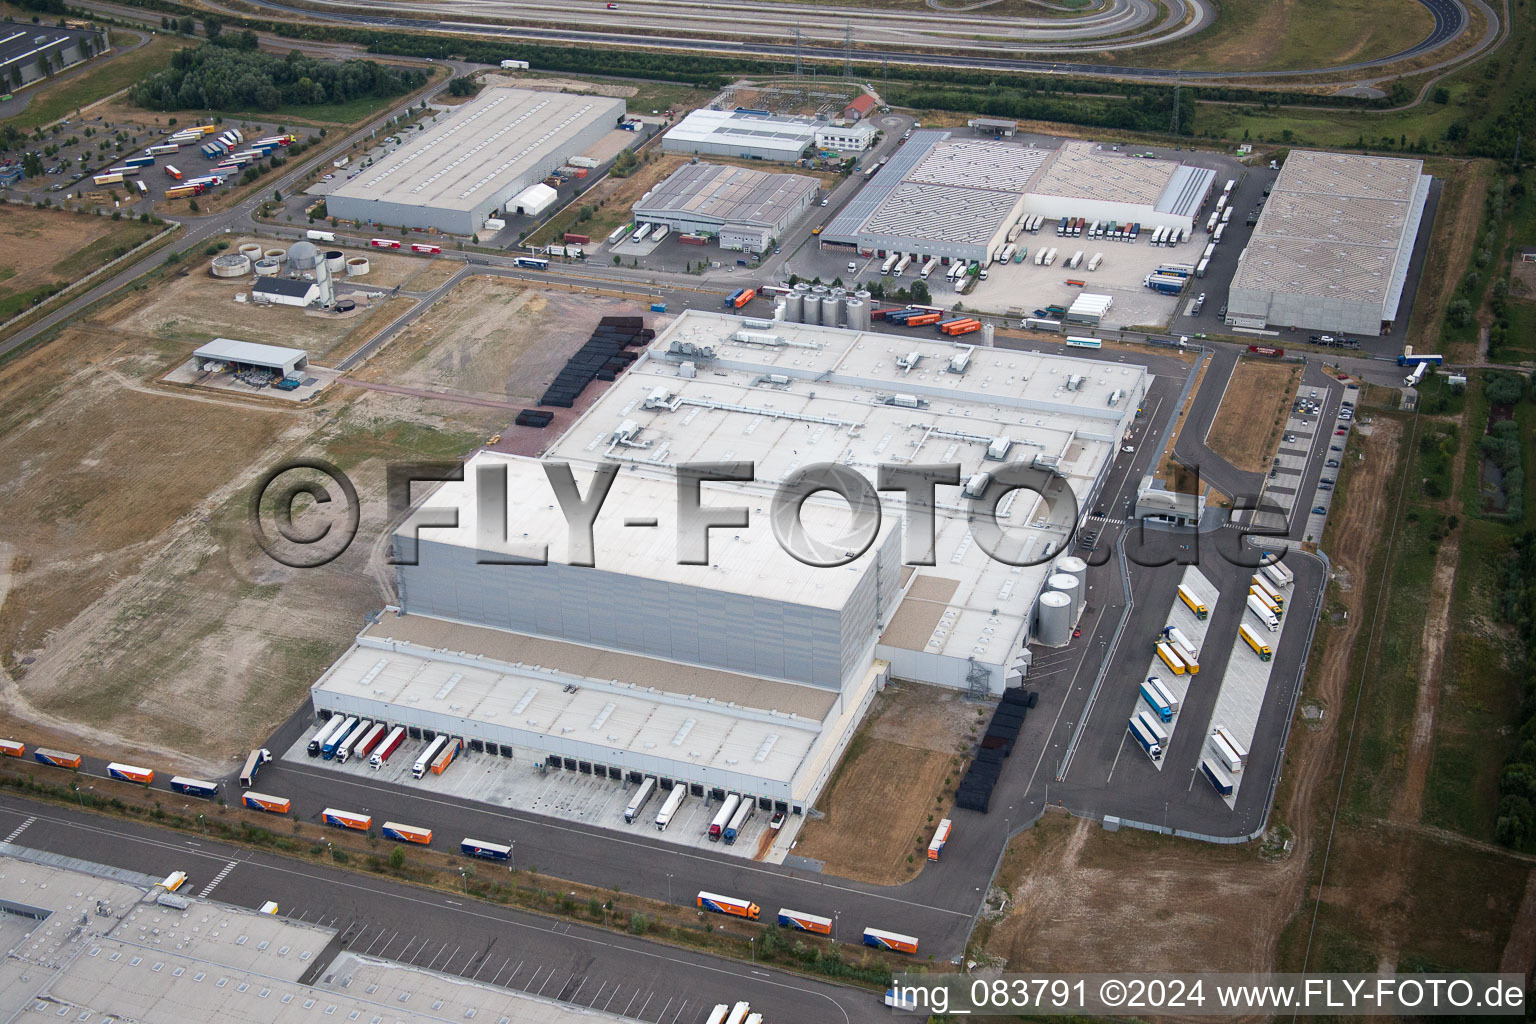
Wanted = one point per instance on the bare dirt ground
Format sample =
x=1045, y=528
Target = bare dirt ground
x=47, y=246
x=1522, y=280
x=1082, y=898
x=1258, y=396
x=887, y=796
x=137, y=616
x=558, y=85
x=434, y=275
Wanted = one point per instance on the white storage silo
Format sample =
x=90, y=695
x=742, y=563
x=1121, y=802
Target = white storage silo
x=1053, y=619
x=250, y=250
x=336, y=261
x=829, y=304
x=986, y=335
x=839, y=308
x=1076, y=568
x=357, y=266
x=1068, y=585
x=794, y=305
x=812, y=309
x=858, y=315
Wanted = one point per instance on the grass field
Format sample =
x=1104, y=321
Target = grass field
x=1248, y=424
x=99, y=79
x=1252, y=35
x=51, y=247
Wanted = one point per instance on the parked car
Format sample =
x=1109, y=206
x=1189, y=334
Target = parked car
x=1331, y=464
x=1318, y=510
x=1341, y=431
x=1290, y=438
x=777, y=821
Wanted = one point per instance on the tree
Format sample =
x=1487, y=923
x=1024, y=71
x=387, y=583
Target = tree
x=212, y=26
x=277, y=196
x=920, y=294
x=397, y=858
x=32, y=165
x=1442, y=95
x=187, y=25
x=463, y=86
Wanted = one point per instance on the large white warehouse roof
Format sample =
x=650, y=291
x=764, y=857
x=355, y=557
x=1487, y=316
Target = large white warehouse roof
x=720, y=131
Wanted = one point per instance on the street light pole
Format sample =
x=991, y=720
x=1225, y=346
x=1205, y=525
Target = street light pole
x=669, y=888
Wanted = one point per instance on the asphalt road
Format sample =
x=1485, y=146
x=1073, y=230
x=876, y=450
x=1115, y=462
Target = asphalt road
x=587, y=966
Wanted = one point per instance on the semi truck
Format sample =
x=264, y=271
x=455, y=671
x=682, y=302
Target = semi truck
x=405, y=833
x=640, y=799
x=928, y=268
x=1153, y=696
x=253, y=762
x=1279, y=574
x=128, y=773
x=1166, y=694
x=1144, y=738
x=728, y=905
x=389, y=746
x=1154, y=727
x=194, y=787
x=445, y=756
x=346, y=819
x=1165, y=284
x=13, y=748
x=1216, y=775
x=940, y=839
x=669, y=808
x=1225, y=754
x=803, y=922
x=1409, y=359
x=723, y=817
x=1175, y=269
x=261, y=802
x=1098, y=259
x=890, y=261
x=1269, y=590
x=1264, y=599
x=1413, y=379
x=1252, y=639
x=1263, y=613
x=330, y=727
x=740, y=297
x=485, y=850
x=370, y=739
x=425, y=760
x=1231, y=741
x=1181, y=643
x=739, y=819
x=350, y=740
x=892, y=941
x=172, y=172
x=1171, y=658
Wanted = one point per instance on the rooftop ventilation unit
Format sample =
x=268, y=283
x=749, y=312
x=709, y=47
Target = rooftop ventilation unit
x=908, y=362
x=960, y=361
x=997, y=451
x=976, y=485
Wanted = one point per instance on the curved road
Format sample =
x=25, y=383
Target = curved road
x=1451, y=19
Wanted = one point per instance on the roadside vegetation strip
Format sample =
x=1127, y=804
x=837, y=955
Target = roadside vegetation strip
x=526, y=889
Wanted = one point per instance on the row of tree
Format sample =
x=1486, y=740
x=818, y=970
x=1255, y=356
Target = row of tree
x=215, y=77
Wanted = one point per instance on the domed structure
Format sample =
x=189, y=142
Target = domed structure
x=303, y=256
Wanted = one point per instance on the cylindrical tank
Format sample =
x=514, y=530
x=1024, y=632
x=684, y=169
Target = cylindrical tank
x=839, y=308
x=858, y=315
x=357, y=266
x=986, y=335
x=829, y=304
x=1053, y=619
x=276, y=255
x=819, y=290
x=812, y=310
x=336, y=260
x=303, y=256
x=250, y=250
x=231, y=264
x=794, y=305
x=1075, y=567
x=266, y=268
x=1068, y=585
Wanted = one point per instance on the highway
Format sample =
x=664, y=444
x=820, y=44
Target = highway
x=1450, y=16
x=586, y=966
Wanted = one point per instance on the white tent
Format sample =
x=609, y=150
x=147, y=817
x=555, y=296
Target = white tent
x=533, y=200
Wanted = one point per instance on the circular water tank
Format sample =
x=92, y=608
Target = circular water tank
x=275, y=255
x=858, y=315
x=231, y=264
x=812, y=310
x=266, y=268
x=1068, y=585
x=1053, y=619
x=335, y=259
x=829, y=304
x=819, y=290
x=357, y=266
x=251, y=250
x=303, y=256
x=346, y=306
x=794, y=307
x=1074, y=567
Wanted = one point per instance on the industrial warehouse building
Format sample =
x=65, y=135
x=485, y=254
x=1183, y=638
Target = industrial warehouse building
x=749, y=134
x=745, y=669
x=1332, y=246
x=248, y=355
x=465, y=168
x=743, y=207
x=24, y=49
x=284, y=291
x=959, y=197
x=854, y=138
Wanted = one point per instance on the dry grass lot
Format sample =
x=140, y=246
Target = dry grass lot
x=892, y=787
x=46, y=247
x=131, y=592
x=1247, y=426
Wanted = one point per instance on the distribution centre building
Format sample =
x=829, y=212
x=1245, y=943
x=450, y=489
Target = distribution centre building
x=465, y=168
x=958, y=198
x=741, y=206
x=1332, y=246
x=749, y=134
x=739, y=667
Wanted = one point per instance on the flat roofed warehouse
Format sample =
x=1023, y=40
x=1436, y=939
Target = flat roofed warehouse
x=1082, y=179
x=743, y=206
x=1332, y=246
x=23, y=48
x=741, y=133
x=463, y=169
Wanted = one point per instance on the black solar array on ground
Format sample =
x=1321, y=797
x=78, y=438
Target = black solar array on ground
x=975, y=790
x=603, y=357
x=534, y=418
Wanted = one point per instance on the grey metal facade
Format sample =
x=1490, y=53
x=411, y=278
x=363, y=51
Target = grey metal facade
x=738, y=632
x=25, y=47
